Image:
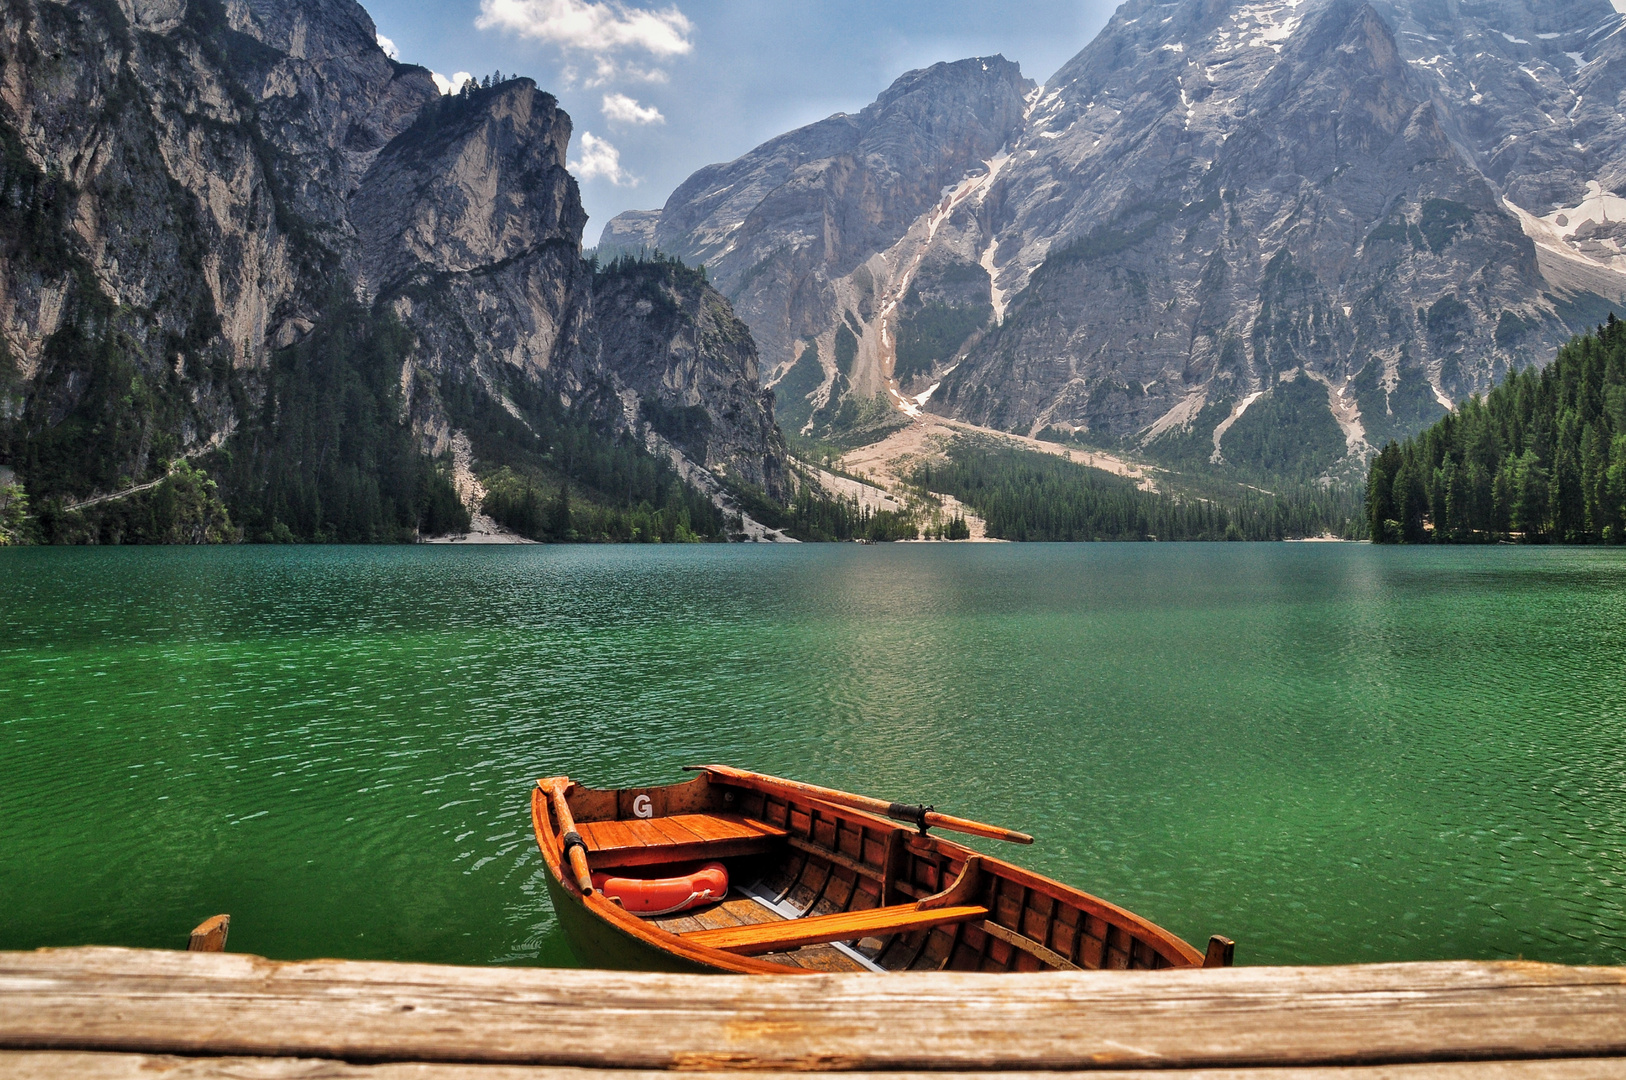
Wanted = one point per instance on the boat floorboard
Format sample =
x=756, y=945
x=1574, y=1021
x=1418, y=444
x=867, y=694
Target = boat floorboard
x=816, y=958
x=737, y=910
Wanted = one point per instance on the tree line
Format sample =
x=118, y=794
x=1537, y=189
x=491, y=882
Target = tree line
x=327, y=455
x=550, y=513
x=557, y=476
x=816, y=516
x=1024, y=495
x=1541, y=458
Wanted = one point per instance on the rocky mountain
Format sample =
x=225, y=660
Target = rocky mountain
x=223, y=221
x=629, y=233
x=809, y=235
x=1262, y=235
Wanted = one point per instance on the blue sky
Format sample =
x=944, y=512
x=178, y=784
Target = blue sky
x=665, y=87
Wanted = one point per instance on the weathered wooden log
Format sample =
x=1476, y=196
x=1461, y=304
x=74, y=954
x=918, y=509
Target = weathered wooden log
x=224, y=1004
x=210, y=935
x=83, y=1066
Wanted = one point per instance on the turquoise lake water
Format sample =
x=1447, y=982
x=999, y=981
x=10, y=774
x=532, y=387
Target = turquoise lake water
x=1332, y=753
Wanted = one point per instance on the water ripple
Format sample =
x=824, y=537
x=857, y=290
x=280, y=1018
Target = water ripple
x=1331, y=753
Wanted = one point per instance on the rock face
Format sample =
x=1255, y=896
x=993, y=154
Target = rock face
x=475, y=181
x=469, y=228
x=1206, y=207
x=688, y=366
x=629, y=233
x=1353, y=213
x=189, y=182
x=795, y=232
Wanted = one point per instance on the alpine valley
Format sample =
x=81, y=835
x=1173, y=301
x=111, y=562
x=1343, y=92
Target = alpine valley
x=1256, y=240
x=258, y=280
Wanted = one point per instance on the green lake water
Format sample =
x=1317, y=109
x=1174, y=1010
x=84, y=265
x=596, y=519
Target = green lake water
x=1332, y=753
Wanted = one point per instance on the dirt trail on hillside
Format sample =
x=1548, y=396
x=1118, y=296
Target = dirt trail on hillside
x=887, y=463
x=927, y=437
x=197, y=451
x=876, y=497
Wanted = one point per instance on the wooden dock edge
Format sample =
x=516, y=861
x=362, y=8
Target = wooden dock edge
x=27, y=1065
x=116, y=1013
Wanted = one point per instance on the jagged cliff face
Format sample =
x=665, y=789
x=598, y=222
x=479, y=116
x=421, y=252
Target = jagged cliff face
x=159, y=240
x=188, y=185
x=469, y=229
x=1208, y=205
x=688, y=369
x=803, y=234
x=1347, y=215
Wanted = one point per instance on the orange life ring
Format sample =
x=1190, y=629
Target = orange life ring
x=704, y=884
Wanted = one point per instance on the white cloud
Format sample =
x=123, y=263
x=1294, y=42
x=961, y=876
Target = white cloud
x=634, y=73
x=389, y=47
x=452, y=85
x=621, y=109
x=599, y=28
x=600, y=160
x=607, y=70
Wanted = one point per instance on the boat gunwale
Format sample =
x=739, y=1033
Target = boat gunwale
x=1164, y=942
x=1088, y=903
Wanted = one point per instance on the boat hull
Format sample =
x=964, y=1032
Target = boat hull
x=823, y=887
x=598, y=944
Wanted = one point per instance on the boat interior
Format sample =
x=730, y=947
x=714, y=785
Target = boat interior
x=819, y=886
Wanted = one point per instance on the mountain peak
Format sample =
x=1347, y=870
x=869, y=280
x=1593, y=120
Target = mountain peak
x=476, y=180
x=1211, y=200
x=974, y=70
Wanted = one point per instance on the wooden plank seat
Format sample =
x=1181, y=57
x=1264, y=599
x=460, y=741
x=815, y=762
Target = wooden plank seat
x=679, y=838
x=754, y=940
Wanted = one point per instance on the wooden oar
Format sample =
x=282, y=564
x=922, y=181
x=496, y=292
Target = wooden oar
x=919, y=815
x=575, y=850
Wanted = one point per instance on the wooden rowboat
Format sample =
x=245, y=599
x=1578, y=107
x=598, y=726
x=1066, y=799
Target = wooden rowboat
x=821, y=880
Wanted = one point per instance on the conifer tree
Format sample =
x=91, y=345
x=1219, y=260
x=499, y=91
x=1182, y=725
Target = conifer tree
x=559, y=524
x=1541, y=457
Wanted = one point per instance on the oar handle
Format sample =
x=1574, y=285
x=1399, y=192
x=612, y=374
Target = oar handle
x=922, y=816
x=575, y=850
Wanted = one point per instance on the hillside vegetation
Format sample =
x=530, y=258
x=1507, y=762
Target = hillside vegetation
x=1541, y=458
x=1025, y=495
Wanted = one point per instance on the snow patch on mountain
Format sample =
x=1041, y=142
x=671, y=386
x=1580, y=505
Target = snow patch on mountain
x=1256, y=26
x=1592, y=231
